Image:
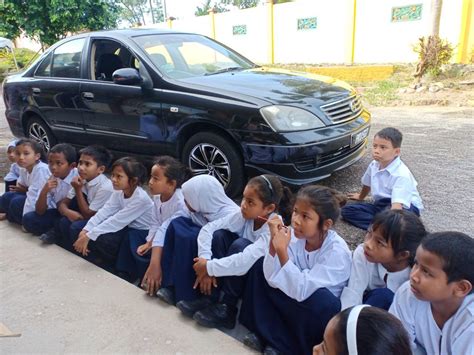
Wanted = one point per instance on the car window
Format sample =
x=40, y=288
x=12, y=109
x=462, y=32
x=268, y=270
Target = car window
x=44, y=69
x=67, y=59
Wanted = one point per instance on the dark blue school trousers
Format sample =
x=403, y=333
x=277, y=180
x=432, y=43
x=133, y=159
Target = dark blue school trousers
x=12, y=204
x=281, y=322
x=38, y=224
x=128, y=261
x=361, y=214
x=379, y=297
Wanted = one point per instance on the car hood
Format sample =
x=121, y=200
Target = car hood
x=276, y=86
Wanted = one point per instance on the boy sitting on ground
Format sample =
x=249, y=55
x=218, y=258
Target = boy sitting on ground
x=388, y=179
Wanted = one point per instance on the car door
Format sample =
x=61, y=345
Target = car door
x=125, y=118
x=55, y=91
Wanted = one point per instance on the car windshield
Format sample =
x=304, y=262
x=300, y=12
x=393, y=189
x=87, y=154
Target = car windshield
x=181, y=56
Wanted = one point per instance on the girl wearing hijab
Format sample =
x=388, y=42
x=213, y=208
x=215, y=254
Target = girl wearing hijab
x=206, y=201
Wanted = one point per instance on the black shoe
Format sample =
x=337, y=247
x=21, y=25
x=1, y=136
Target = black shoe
x=190, y=307
x=49, y=237
x=166, y=294
x=217, y=315
x=253, y=341
x=270, y=351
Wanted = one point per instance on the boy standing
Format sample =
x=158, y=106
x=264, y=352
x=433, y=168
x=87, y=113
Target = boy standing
x=436, y=306
x=90, y=191
x=62, y=165
x=388, y=179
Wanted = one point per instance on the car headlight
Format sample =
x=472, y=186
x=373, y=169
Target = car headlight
x=288, y=118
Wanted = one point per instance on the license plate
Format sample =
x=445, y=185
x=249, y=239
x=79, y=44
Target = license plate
x=359, y=137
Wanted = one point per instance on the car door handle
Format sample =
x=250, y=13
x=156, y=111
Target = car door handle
x=36, y=91
x=88, y=95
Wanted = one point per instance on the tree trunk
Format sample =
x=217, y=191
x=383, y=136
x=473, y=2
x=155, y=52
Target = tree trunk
x=151, y=11
x=436, y=6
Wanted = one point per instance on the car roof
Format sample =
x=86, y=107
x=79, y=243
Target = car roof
x=131, y=32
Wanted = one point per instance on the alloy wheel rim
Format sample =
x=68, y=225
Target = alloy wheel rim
x=206, y=158
x=39, y=134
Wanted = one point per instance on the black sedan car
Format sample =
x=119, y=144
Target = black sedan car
x=149, y=92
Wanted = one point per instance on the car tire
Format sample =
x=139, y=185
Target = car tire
x=209, y=153
x=37, y=130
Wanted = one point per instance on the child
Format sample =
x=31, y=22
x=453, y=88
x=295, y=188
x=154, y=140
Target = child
x=383, y=262
x=206, y=201
x=167, y=176
x=238, y=241
x=14, y=173
x=436, y=306
x=22, y=197
x=364, y=330
x=129, y=207
x=292, y=295
x=389, y=180
x=90, y=191
x=62, y=164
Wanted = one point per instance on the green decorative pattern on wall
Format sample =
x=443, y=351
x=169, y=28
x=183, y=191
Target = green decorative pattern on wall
x=309, y=23
x=239, y=30
x=407, y=13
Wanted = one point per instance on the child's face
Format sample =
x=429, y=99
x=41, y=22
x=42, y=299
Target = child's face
x=11, y=154
x=26, y=156
x=305, y=220
x=377, y=249
x=58, y=165
x=428, y=280
x=88, y=168
x=159, y=183
x=383, y=150
x=330, y=343
x=252, y=206
x=120, y=180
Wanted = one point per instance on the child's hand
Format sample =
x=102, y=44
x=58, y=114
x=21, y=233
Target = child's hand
x=77, y=183
x=152, y=279
x=205, y=284
x=281, y=239
x=81, y=243
x=354, y=196
x=200, y=267
x=144, y=248
x=275, y=224
x=74, y=216
x=18, y=188
x=51, y=183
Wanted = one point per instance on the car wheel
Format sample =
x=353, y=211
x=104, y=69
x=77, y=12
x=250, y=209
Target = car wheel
x=40, y=132
x=209, y=153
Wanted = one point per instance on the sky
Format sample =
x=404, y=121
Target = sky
x=182, y=8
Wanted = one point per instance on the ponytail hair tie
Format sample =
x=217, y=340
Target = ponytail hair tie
x=351, y=329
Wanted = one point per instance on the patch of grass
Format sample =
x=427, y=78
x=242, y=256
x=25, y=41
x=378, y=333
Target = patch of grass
x=383, y=93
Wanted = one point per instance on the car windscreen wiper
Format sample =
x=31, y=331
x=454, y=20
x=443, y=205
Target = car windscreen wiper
x=225, y=70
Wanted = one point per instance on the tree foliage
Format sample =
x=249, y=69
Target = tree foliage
x=50, y=20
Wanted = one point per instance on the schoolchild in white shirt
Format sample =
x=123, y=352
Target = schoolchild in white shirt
x=34, y=173
x=206, y=201
x=436, y=306
x=167, y=176
x=383, y=262
x=62, y=165
x=90, y=190
x=14, y=172
x=238, y=241
x=364, y=330
x=128, y=208
x=388, y=179
x=291, y=296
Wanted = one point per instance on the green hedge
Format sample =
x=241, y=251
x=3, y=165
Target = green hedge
x=7, y=64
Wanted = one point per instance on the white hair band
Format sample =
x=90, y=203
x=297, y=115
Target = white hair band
x=351, y=329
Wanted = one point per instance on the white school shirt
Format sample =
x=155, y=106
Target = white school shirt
x=98, y=191
x=367, y=276
x=34, y=181
x=13, y=173
x=61, y=191
x=120, y=212
x=162, y=214
x=305, y=272
x=236, y=264
x=457, y=335
x=395, y=182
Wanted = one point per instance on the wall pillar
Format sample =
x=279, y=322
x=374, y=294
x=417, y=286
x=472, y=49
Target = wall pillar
x=350, y=52
x=212, y=17
x=466, y=36
x=271, y=39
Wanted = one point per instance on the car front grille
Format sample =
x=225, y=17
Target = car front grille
x=325, y=159
x=343, y=110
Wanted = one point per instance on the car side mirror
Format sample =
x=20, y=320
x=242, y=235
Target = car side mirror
x=127, y=76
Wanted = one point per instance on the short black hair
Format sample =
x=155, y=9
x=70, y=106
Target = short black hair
x=403, y=229
x=173, y=169
x=377, y=332
x=456, y=251
x=101, y=155
x=391, y=134
x=68, y=150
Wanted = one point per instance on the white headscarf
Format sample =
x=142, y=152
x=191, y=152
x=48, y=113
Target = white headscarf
x=206, y=196
x=12, y=143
